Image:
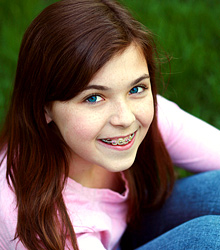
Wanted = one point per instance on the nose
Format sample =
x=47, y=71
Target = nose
x=122, y=114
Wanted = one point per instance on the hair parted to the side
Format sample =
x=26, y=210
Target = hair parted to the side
x=63, y=48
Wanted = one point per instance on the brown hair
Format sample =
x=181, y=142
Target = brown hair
x=61, y=51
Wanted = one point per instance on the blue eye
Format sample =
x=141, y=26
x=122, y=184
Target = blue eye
x=94, y=99
x=137, y=89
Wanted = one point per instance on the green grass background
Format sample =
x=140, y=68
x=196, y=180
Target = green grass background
x=188, y=30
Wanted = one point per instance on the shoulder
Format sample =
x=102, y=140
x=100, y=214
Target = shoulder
x=166, y=113
x=8, y=211
x=192, y=143
x=166, y=108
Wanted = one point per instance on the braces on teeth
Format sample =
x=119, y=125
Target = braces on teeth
x=120, y=141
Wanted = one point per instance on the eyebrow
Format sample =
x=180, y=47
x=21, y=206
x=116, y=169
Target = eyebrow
x=104, y=88
x=139, y=79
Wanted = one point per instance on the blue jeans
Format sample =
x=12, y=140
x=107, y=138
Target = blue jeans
x=190, y=218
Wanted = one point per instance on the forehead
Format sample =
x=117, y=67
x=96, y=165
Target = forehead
x=125, y=66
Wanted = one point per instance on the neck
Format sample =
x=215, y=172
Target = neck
x=98, y=177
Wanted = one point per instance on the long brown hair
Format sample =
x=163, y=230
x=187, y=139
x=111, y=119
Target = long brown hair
x=61, y=51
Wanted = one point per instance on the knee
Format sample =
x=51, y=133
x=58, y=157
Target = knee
x=204, y=185
x=206, y=224
x=209, y=177
x=199, y=233
x=212, y=176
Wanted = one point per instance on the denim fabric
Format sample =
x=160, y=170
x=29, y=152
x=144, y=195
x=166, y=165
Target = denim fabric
x=188, y=220
x=202, y=233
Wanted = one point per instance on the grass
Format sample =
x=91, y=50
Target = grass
x=15, y=17
x=187, y=30
x=190, y=34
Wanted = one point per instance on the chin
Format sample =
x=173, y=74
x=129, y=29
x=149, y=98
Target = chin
x=120, y=167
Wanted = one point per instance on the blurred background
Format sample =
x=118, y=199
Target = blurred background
x=186, y=30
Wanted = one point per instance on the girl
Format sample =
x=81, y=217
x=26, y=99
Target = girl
x=81, y=150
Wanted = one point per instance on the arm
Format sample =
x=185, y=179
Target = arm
x=192, y=143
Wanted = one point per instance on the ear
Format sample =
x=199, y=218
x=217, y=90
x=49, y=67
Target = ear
x=47, y=114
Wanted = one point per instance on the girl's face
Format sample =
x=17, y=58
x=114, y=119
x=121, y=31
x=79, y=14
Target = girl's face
x=105, y=124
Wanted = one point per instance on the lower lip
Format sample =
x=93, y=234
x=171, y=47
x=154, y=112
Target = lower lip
x=118, y=147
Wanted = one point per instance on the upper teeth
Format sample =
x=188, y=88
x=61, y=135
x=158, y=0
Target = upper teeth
x=120, y=141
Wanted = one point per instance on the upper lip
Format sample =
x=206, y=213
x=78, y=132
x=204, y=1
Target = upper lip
x=117, y=137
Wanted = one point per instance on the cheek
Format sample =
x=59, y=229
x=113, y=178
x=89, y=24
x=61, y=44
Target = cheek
x=81, y=128
x=145, y=112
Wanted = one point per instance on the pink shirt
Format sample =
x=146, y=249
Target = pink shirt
x=98, y=215
x=192, y=143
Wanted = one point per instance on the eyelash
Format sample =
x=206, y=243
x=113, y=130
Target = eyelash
x=93, y=95
x=144, y=87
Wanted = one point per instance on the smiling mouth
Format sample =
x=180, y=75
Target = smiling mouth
x=119, y=141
